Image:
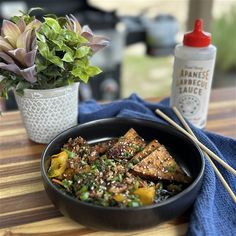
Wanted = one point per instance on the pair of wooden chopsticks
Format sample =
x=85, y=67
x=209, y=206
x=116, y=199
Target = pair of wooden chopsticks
x=207, y=152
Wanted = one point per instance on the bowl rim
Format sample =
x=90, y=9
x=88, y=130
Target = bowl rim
x=154, y=205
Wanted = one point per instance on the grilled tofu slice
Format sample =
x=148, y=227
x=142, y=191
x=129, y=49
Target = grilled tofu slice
x=127, y=146
x=161, y=165
x=154, y=144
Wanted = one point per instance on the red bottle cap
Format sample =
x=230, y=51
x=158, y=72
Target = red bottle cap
x=197, y=38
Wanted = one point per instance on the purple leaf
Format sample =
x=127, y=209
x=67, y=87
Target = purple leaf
x=69, y=24
x=29, y=59
x=33, y=42
x=101, y=40
x=87, y=33
x=21, y=24
x=10, y=32
x=96, y=47
x=19, y=55
x=29, y=74
x=33, y=25
x=98, y=43
x=10, y=67
x=6, y=58
x=24, y=40
x=73, y=24
x=4, y=45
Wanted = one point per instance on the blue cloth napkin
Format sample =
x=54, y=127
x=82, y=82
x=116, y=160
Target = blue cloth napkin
x=214, y=212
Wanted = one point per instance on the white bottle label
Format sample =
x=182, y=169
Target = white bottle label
x=191, y=88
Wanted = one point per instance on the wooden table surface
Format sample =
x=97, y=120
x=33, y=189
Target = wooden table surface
x=24, y=205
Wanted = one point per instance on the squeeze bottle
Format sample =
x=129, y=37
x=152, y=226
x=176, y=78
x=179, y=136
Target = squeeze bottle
x=192, y=76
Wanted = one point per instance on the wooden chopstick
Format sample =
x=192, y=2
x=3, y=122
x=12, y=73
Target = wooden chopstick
x=202, y=146
x=225, y=184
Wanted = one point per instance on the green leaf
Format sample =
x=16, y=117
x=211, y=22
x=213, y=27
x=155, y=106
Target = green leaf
x=82, y=51
x=41, y=63
x=48, y=32
x=43, y=49
x=49, y=55
x=73, y=37
x=67, y=57
x=84, y=62
x=45, y=30
x=56, y=60
x=79, y=72
x=93, y=70
x=70, y=36
x=40, y=67
x=53, y=24
x=21, y=86
x=41, y=37
x=15, y=19
x=6, y=82
x=76, y=72
x=53, y=71
x=59, y=43
x=81, y=39
x=65, y=48
x=34, y=9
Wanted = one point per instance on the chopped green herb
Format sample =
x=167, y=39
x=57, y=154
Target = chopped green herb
x=84, y=196
x=134, y=204
x=67, y=183
x=134, y=161
x=84, y=188
x=70, y=154
x=130, y=165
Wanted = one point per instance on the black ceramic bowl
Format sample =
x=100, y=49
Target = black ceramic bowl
x=187, y=154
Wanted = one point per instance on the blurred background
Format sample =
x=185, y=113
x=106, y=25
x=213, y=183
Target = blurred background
x=143, y=35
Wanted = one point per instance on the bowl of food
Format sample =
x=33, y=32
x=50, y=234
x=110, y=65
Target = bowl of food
x=122, y=173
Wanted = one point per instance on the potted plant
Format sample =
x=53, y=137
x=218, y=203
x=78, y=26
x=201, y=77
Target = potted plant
x=44, y=62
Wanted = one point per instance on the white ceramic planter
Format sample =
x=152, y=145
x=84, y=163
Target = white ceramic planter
x=46, y=113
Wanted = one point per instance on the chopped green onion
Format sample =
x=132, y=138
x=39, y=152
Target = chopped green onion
x=134, y=204
x=84, y=196
x=83, y=189
x=69, y=153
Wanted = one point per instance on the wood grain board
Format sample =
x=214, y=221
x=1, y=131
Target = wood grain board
x=24, y=206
